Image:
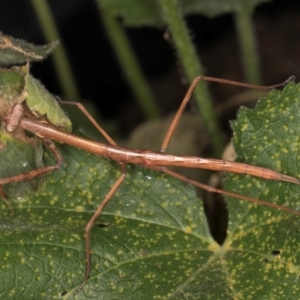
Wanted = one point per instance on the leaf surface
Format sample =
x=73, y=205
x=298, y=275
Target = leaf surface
x=152, y=240
x=16, y=51
x=148, y=13
x=42, y=104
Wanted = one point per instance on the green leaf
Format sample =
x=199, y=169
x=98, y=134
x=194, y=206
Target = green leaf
x=214, y=8
x=12, y=87
x=42, y=103
x=150, y=224
x=134, y=12
x=268, y=137
x=16, y=86
x=16, y=51
x=147, y=12
x=152, y=240
x=24, y=151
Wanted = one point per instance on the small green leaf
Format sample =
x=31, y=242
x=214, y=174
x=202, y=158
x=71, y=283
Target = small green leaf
x=134, y=12
x=15, y=51
x=42, y=103
x=16, y=86
x=12, y=87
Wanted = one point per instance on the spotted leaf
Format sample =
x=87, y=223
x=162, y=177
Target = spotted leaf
x=152, y=240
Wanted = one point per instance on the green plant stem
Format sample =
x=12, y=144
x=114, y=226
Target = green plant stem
x=192, y=68
x=61, y=62
x=248, y=46
x=128, y=61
